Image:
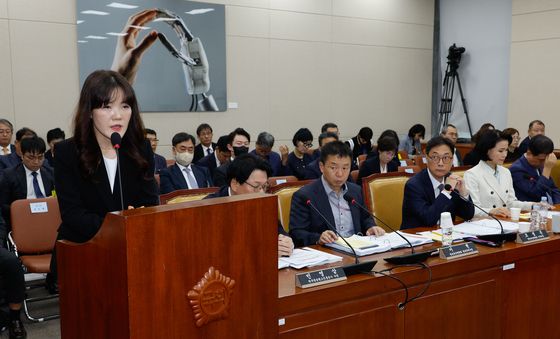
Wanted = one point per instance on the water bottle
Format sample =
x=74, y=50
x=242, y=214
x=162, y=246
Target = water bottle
x=544, y=212
x=535, y=218
x=446, y=225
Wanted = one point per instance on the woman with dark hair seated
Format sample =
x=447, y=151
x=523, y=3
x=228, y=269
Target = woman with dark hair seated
x=411, y=144
x=296, y=162
x=384, y=161
x=472, y=158
x=489, y=183
x=513, y=152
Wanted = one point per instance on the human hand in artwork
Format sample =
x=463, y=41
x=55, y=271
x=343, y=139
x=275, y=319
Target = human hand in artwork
x=128, y=53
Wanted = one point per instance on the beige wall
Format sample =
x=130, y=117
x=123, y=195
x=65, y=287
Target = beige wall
x=290, y=64
x=535, y=66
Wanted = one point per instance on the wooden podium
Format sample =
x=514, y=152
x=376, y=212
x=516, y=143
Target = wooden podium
x=203, y=269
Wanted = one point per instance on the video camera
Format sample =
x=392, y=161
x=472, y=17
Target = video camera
x=454, y=55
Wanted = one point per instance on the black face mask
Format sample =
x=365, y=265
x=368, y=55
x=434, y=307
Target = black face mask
x=240, y=150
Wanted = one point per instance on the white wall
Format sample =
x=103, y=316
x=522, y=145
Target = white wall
x=483, y=28
x=535, y=66
x=290, y=64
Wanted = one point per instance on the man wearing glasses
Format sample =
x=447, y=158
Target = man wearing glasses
x=249, y=174
x=159, y=161
x=6, y=132
x=425, y=195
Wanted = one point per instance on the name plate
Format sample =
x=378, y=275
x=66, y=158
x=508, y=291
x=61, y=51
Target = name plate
x=457, y=251
x=529, y=237
x=320, y=277
x=39, y=207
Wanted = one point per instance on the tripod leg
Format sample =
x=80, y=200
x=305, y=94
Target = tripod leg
x=464, y=102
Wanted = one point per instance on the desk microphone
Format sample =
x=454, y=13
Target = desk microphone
x=116, y=142
x=355, y=268
x=500, y=238
x=412, y=258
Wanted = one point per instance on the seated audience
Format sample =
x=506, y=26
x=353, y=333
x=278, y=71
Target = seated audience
x=249, y=174
x=28, y=180
x=263, y=149
x=328, y=194
x=536, y=127
x=412, y=143
x=14, y=158
x=220, y=156
x=531, y=172
x=6, y=132
x=54, y=136
x=313, y=171
x=489, y=183
x=159, y=161
x=296, y=162
x=425, y=196
x=206, y=146
x=450, y=132
x=386, y=133
x=238, y=144
x=513, y=152
x=361, y=143
x=183, y=174
x=472, y=158
x=328, y=127
x=383, y=162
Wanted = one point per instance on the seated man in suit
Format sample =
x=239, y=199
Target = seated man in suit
x=238, y=144
x=54, y=136
x=263, y=149
x=249, y=174
x=425, y=196
x=450, y=132
x=6, y=133
x=536, y=127
x=159, y=161
x=220, y=156
x=28, y=180
x=14, y=158
x=312, y=170
x=183, y=174
x=206, y=147
x=384, y=161
x=328, y=194
x=531, y=172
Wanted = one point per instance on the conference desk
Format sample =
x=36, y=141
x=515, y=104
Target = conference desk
x=507, y=292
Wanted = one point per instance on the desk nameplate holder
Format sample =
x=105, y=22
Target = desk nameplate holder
x=320, y=277
x=529, y=237
x=457, y=251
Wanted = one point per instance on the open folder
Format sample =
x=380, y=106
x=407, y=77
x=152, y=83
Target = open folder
x=366, y=245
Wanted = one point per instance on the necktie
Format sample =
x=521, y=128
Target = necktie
x=36, y=187
x=191, y=181
x=440, y=188
x=209, y=151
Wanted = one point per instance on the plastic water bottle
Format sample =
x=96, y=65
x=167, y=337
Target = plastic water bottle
x=544, y=212
x=446, y=225
x=535, y=217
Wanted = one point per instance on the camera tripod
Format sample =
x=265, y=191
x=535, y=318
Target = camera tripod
x=446, y=106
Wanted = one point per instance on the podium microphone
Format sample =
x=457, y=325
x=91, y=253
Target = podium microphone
x=412, y=258
x=355, y=268
x=116, y=142
x=499, y=238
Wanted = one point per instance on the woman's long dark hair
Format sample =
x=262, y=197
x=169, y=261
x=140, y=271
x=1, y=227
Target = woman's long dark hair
x=99, y=89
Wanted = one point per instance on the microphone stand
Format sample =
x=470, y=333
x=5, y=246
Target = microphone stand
x=116, y=142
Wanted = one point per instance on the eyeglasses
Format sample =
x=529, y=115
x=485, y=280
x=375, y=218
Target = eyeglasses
x=153, y=140
x=257, y=188
x=5, y=131
x=436, y=158
x=32, y=157
x=308, y=144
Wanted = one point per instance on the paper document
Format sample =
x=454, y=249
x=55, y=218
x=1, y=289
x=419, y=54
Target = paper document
x=397, y=242
x=435, y=235
x=485, y=226
x=371, y=244
x=307, y=257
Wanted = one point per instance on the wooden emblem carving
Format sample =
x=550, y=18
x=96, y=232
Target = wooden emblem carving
x=210, y=298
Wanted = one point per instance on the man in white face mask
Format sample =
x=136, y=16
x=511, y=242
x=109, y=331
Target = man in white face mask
x=184, y=174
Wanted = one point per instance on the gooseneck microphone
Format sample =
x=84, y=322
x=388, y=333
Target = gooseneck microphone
x=116, y=142
x=355, y=268
x=500, y=238
x=412, y=258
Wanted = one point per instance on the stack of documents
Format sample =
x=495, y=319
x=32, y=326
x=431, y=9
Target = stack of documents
x=370, y=244
x=307, y=257
x=474, y=228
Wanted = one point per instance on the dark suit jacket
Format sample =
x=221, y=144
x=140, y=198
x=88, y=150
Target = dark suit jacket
x=171, y=178
x=159, y=163
x=358, y=149
x=209, y=162
x=84, y=202
x=528, y=185
x=306, y=225
x=275, y=162
x=199, y=152
x=371, y=165
x=14, y=187
x=9, y=161
x=421, y=208
x=220, y=175
x=524, y=145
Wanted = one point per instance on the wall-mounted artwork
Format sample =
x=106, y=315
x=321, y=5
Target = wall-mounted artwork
x=173, y=52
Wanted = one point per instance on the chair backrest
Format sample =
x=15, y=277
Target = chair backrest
x=507, y=164
x=409, y=169
x=384, y=194
x=35, y=224
x=184, y=195
x=555, y=173
x=361, y=159
x=284, y=192
x=354, y=175
x=274, y=181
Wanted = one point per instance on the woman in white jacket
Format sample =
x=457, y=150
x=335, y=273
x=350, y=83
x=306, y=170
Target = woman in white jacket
x=489, y=183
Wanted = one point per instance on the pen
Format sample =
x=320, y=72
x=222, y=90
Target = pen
x=371, y=246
